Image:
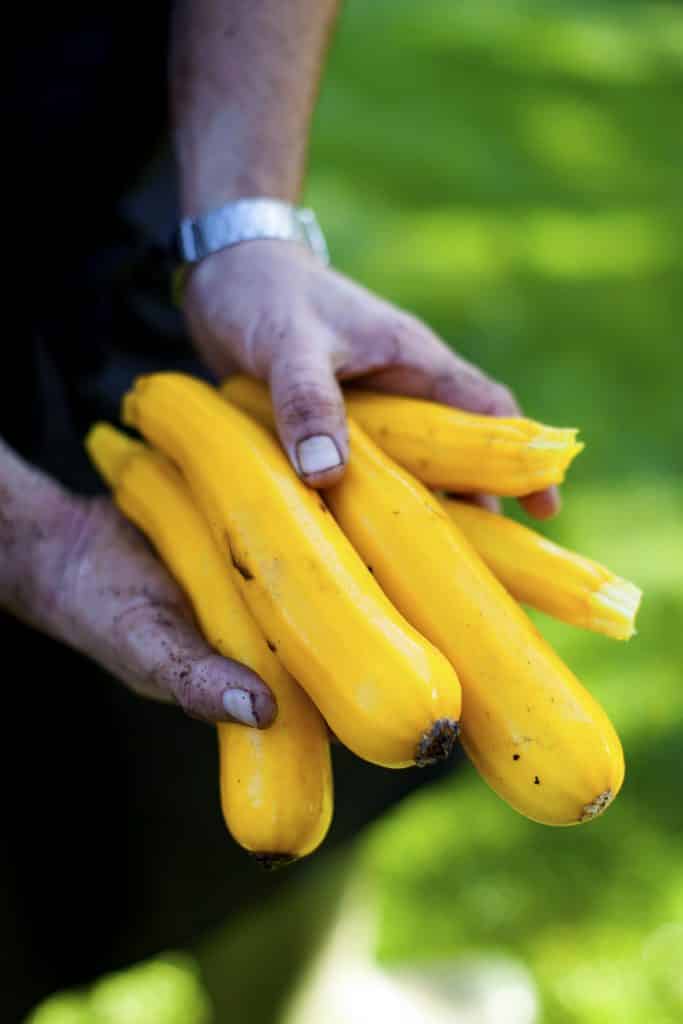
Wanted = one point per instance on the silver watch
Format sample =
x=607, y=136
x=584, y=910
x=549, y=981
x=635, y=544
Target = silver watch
x=246, y=220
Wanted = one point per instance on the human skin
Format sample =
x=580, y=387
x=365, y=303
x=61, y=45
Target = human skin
x=74, y=568
x=243, y=81
x=244, y=78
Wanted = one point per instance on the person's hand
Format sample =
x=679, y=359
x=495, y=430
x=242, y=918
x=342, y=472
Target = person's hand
x=74, y=568
x=273, y=310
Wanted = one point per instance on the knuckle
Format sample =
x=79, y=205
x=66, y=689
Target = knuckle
x=454, y=386
x=273, y=334
x=501, y=401
x=274, y=330
x=188, y=680
x=148, y=641
x=180, y=685
x=171, y=672
x=305, y=402
x=145, y=610
x=399, y=336
x=468, y=388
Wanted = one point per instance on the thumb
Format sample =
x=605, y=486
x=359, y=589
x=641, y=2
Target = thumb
x=74, y=568
x=114, y=601
x=160, y=654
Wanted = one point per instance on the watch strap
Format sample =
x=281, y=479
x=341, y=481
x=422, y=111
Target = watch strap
x=247, y=220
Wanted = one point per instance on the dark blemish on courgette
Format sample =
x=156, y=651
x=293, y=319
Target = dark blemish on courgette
x=537, y=781
x=516, y=757
x=241, y=568
x=437, y=743
x=271, y=645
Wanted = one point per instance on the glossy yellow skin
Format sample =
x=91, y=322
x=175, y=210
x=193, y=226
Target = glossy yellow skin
x=547, y=576
x=276, y=783
x=459, y=451
x=384, y=690
x=525, y=715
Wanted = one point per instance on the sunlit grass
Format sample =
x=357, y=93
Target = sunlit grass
x=448, y=248
x=608, y=42
x=165, y=990
x=575, y=136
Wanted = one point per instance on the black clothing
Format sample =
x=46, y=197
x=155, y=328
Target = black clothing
x=113, y=846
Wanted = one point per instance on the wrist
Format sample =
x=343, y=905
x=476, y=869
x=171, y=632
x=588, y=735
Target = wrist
x=248, y=219
x=223, y=159
x=207, y=184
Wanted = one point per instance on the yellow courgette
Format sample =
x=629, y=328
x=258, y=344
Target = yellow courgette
x=536, y=735
x=459, y=451
x=275, y=783
x=546, y=576
x=384, y=690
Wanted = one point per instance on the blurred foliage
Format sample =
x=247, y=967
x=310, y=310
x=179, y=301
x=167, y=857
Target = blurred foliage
x=511, y=172
x=165, y=990
x=63, y=1008
x=250, y=964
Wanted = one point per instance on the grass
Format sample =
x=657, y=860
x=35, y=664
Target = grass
x=525, y=204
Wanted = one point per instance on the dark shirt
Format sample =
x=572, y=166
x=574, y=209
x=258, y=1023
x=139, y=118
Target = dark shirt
x=85, y=111
x=113, y=844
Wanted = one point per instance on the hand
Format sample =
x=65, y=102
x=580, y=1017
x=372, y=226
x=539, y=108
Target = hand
x=273, y=310
x=76, y=569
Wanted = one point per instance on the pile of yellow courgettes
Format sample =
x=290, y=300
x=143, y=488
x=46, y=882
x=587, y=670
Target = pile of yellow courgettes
x=378, y=607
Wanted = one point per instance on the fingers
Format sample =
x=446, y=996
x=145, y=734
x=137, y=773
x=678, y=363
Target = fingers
x=103, y=592
x=418, y=363
x=542, y=504
x=310, y=415
x=398, y=354
x=280, y=315
x=161, y=654
x=488, y=501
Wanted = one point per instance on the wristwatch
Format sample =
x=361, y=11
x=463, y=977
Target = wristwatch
x=247, y=220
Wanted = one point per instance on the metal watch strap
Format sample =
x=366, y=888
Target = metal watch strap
x=247, y=220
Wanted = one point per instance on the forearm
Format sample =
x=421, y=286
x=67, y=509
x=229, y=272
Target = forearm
x=244, y=78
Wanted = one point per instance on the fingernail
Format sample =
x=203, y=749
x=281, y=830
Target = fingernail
x=239, y=704
x=317, y=454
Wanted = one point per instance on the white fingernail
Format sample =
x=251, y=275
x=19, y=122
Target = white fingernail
x=317, y=454
x=240, y=706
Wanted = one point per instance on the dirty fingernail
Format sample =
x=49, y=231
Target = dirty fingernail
x=317, y=454
x=239, y=704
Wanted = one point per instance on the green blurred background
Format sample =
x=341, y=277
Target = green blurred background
x=511, y=172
